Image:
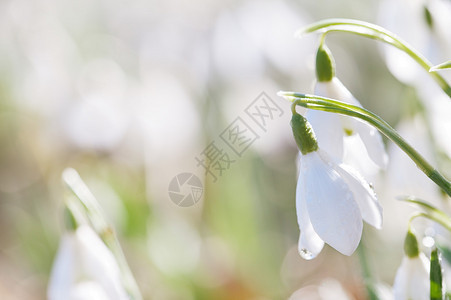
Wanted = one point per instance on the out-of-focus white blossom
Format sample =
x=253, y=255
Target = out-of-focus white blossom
x=424, y=24
x=328, y=289
x=403, y=176
x=85, y=268
x=412, y=279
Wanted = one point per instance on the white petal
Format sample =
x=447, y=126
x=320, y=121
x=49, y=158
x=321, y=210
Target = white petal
x=63, y=273
x=373, y=143
x=356, y=156
x=328, y=131
x=88, y=290
x=99, y=263
x=369, y=135
x=310, y=244
x=330, y=128
x=363, y=194
x=333, y=212
x=412, y=279
x=335, y=89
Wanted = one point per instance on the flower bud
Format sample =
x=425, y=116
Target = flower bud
x=303, y=134
x=325, y=64
x=411, y=245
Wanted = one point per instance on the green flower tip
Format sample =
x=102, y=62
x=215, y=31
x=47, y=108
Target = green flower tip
x=428, y=17
x=303, y=134
x=70, y=220
x=325, y=64
x=411, y=245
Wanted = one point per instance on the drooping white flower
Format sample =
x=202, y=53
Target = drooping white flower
x=331, y=199
x=412, y=279
x=85, y=268
x=333, y=129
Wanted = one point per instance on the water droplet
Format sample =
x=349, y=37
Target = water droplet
x=428, y=241
x=305, y=254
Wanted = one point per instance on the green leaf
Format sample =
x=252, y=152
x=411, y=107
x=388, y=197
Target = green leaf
x=445, y=251
x=436, y=277
x=375, y=32
x=442, y=66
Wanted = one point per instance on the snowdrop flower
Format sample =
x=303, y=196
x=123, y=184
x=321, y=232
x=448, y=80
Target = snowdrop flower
x=331, y=199
x=332, y=129
x=85, y=268
x=412, y=277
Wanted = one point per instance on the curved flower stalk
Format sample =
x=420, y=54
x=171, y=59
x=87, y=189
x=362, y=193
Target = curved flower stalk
x=330, y=105
x=373, y=31
x=333, y=130
x=412, y=278
x=331, y=199
x=85, y=268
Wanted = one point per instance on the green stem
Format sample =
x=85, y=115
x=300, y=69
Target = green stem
x=375, y=32
x=431, y=217
x=366, y=272
x=334, y=106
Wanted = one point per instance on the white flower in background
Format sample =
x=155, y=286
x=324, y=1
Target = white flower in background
x=331, y=199
x=329, y=288
x=403, y=176
x=424, y=24
x=99, y=119
x=332, y=129
x=85, y=268
x=412, y=277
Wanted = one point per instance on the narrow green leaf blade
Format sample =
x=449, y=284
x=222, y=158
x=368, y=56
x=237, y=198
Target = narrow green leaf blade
x=445, y=251
x=442, y=66
x=436, y=292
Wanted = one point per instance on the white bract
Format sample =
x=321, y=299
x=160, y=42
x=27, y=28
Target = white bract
x=85, y=268
x=332, y=129
x=331, y=201
x=412, y=279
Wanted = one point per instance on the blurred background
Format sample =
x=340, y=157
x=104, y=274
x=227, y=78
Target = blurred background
x=132, y=94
